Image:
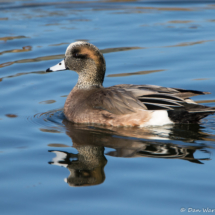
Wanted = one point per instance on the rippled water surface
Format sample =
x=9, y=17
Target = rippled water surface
x=50, y=166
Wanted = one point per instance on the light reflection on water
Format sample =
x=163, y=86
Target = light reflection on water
x=163, y=43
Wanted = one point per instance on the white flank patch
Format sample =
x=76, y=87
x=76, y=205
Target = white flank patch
x=159, y=118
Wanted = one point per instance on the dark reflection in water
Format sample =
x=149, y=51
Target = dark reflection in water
x=5, y=39
x=87, y=166
x=24, y=49
x=135, y=73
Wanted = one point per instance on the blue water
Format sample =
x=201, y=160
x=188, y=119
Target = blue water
x=49, y=166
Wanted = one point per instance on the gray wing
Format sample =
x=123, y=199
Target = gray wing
x=159, y=98
x=140, y=90
x=125, y=99
x=116, y=101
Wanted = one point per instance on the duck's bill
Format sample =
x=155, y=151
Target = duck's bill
x=60, y=66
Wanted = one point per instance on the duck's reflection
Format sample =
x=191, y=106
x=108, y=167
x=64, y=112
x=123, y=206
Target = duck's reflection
x=87, y=166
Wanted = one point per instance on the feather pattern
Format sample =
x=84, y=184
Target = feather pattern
x=124, y=99
x=114, y=101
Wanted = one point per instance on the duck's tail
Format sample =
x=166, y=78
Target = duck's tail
x=193, y=114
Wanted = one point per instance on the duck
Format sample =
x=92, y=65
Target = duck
x=125, y=104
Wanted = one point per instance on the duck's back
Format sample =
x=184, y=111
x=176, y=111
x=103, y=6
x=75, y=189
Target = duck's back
x=133, y=105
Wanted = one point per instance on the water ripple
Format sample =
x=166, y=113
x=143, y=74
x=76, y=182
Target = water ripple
x=50, y=121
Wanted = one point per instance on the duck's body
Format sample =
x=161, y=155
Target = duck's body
x=94, y=106
x=122, y=105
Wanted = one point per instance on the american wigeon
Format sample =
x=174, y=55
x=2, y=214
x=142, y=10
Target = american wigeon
x=122, y=105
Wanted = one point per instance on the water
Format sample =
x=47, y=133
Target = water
x=50, y=166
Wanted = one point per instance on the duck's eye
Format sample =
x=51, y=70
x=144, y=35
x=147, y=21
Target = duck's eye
x=78, y=55
x=75, y=54
x=59, y=63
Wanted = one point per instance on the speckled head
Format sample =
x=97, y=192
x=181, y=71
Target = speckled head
x=87, y=60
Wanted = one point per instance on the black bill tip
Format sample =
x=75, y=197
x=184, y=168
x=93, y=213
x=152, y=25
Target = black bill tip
x=48, y=70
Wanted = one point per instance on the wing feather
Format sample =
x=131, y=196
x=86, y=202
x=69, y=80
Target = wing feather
x=115, y=101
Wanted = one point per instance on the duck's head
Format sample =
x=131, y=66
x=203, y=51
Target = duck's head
x=85, y=59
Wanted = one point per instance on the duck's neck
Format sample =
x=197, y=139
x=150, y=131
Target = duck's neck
x=86, y=85
x=88, y=79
